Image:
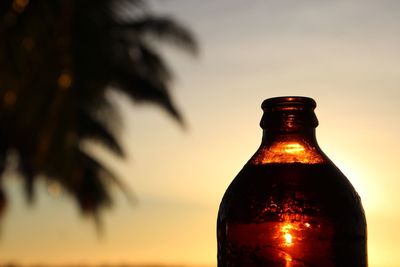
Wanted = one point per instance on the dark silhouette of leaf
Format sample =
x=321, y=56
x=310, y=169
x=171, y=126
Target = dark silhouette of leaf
x=165, y=29
x=144, y=90
x=90, y=128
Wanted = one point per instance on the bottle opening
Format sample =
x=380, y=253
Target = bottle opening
x=289, y=103
x=289, y=113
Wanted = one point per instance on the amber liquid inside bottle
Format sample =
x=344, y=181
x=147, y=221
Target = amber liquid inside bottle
x=290, y=206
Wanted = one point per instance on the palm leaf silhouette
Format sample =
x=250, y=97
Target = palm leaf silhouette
x=58, y=58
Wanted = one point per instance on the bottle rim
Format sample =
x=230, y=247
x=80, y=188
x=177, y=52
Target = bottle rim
x=282, y=102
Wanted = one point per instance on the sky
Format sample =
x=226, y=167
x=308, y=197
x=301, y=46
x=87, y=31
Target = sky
x=344, y=54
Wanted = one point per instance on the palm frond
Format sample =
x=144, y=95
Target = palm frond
x=128, y=9
x=92, y=129
x=3, y=201
x=58, y=59
x=89, y=188
x=141, y=89
x=164, y=28
x=29, y=181
x=150, y=64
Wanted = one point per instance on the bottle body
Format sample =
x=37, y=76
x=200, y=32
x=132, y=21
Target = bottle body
x=290, y=206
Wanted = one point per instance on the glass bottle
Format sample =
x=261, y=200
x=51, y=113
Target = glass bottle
x=290, y=206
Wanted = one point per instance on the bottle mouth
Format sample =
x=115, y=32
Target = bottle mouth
x=289, y=113
x=289, y=103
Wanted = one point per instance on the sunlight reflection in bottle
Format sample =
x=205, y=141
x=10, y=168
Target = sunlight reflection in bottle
x=292, y=235
x=288, y=260
x=288, y=151
x=293, y=148
x=288, y=239
x=287, y=235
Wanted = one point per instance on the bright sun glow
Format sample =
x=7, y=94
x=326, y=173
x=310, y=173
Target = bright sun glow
x=293, y=148
x=288, y=239
x=289, y=152
x=287, y=235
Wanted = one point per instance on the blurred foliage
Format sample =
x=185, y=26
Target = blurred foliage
x=101, y=265
x=58, y=58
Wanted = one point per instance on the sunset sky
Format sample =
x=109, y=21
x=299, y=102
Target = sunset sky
x=344, y=54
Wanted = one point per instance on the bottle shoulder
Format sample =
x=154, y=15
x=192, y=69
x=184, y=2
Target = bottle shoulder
x=306, y=176
x=289, y=149
x=295, y=188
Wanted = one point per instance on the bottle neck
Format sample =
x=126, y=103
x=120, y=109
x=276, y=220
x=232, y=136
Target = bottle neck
x=289, y=132
x=301, y=135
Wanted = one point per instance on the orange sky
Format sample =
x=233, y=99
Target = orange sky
x=344, y=54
